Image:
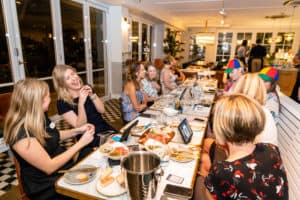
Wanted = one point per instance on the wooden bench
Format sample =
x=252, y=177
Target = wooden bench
x=289, y=143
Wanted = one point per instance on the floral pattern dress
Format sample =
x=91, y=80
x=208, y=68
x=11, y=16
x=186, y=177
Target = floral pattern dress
x=258, y=176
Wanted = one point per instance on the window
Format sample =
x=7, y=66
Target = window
x=284, y=42
x=224, y=47
x=5, y=67
x=73, y=36
x=145, y=43
x=135, y=40
x=35, y=25
x=97, y=37
x=266, y=39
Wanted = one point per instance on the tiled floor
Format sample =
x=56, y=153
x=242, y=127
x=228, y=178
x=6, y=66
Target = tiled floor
x=8, y=176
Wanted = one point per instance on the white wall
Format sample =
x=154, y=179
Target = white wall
x=115, y=44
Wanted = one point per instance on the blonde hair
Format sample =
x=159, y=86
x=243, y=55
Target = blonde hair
x=253, y=86
x=26, y=111
x=58, y=75
x=238, y=119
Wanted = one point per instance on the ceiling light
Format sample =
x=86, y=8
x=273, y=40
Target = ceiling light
x=222, y=11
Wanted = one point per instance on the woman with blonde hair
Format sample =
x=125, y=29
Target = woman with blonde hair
x=150, y=86
x=253, y=86
x=133, y=99
x=34, y=139
x=167, y=77
x=78, y=103
x=251, y=171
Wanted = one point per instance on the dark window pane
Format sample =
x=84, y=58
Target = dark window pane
x=99, y=83
x=135, y=40
x=5, y=67
x=150, y=43
x=36, y=33
x=73, y=36
x=97, y=38
x=145, y=46
x=240, y=36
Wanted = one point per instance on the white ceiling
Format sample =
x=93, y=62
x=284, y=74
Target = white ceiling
x=195, y=13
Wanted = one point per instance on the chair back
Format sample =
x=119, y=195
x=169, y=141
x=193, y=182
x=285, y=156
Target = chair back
x=18, y=171
x=4, y=105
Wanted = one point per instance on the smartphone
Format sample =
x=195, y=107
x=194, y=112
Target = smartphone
x=175, y=179
x=178, y=192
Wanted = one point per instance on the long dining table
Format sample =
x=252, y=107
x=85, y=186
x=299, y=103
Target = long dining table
x=195, y=107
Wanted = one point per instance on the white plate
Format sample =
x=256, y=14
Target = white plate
x=113, y=189
x=70, y=177
x=156, y=147
x=108, y=148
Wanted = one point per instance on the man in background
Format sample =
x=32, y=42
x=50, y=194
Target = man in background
x=257, y=54
x=296, y=91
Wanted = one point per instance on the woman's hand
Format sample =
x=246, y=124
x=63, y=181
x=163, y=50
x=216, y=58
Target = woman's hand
x=88, y=135
x=83, y=93
x=84, y=128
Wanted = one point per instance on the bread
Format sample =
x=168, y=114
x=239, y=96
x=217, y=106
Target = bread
x=121, y=179
x=106, y=180
x=108, y=171
x=82, y=177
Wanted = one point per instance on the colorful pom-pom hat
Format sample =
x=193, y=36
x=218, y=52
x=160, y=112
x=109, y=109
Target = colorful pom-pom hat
x=269, y=74
x=233, y=64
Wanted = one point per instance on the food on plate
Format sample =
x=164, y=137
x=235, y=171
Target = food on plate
x=163, y=135
x=108, y=171
x=106, y=178
x=114, y=150
x=119, y=151
x=106, y=181
x=121, y=179
x=107, y=149
x=82, y=177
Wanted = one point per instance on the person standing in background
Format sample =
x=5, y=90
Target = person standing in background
x=241, y=52
x=296, y=91
x=257, y=55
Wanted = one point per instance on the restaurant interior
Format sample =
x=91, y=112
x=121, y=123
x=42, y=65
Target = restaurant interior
x=99, y=38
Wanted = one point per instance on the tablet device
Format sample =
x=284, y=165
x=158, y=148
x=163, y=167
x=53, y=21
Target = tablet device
x=185, y=131
x=127, y=131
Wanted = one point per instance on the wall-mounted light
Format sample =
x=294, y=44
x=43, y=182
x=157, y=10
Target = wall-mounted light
x=125, y=23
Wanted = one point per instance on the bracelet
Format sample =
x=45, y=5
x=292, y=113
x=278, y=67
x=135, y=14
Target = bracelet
x=93, y=97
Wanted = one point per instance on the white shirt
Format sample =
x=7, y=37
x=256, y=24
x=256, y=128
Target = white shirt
x=269, y=134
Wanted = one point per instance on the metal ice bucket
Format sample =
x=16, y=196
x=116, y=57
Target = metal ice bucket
x=142, y=173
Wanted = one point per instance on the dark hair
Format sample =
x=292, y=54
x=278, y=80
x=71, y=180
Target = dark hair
x=258, y=41
x=245, y=43
x=131, y=73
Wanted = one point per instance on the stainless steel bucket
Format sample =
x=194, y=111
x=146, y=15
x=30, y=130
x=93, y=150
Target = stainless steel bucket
x=142, y=171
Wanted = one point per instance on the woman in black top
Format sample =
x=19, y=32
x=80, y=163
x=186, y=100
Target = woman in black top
x=78, y=104
x=34, y=139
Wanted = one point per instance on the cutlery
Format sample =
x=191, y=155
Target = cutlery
x=85, y=169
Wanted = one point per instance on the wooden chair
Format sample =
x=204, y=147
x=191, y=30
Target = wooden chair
x=287, y=80
x=219, y=76
x=18, y=172
x=5, y=102
x=4, y=105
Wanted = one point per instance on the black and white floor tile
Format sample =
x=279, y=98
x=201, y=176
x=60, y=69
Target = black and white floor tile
x=8, y=176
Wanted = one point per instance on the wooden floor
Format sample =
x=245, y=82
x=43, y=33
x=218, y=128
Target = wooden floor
x=12, y=194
